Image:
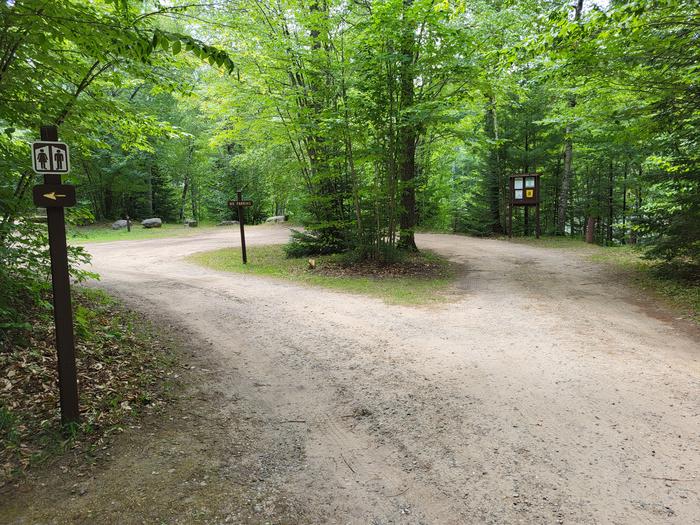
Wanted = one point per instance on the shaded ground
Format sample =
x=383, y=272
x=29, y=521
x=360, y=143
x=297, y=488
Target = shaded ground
x=123, y=369
x=414, y=266
x=546, y=393
x=199, y=460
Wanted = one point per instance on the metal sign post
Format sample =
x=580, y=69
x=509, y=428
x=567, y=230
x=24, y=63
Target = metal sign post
x=51, y=158
x=240, y=204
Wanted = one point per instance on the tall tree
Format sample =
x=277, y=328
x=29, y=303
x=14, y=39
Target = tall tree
x=568, y=152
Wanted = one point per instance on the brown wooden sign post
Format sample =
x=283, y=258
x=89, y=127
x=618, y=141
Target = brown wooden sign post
x=240, y=204
x=51, y=158
x=524, y=190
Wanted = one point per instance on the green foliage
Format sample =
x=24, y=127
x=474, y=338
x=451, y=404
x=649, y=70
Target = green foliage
x=304, y=243
x=671, y=221
x=25, y=270
x=637, y=65
x=78, y=65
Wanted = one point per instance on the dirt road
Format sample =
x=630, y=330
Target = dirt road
x=546, y=393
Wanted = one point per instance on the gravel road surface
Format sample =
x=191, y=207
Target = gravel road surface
x=546, y=392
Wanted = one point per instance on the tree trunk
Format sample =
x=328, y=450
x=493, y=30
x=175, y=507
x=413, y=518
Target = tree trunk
x=494, y=168
x=349, y=156
x=590, y=230
x=108, y=203
x=568, y=154
x=563, y=206
x=187, y=182
x=407, y=136
x=557, y=196
x=150, y=190
x=611, y=214
x=624, y=203
x=183, y=199
x=193, y=201
x=637, y=206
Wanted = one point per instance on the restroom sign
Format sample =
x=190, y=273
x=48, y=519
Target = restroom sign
x=50, y=157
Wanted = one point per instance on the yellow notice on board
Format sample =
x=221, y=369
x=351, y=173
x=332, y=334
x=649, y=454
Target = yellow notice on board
x=529, y=194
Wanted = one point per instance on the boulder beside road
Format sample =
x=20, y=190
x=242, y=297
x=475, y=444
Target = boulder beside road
x=227, y=223
x=119, y=225
x=276, y=218
x=152, y=223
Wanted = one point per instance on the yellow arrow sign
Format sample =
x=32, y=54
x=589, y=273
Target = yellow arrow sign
x=53, y=196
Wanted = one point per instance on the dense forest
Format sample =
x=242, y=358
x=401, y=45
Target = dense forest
x=363, y=120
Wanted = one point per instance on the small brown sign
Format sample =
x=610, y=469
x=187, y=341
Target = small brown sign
x=240, y=205
x=236, y=204
x=54, y=195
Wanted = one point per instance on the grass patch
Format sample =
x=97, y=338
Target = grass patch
x=422, y=278
x=104, y=232
x=554, y=241
x=124, y=369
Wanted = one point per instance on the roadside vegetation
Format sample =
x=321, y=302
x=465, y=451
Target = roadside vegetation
x=414, y=279
x=124, y=370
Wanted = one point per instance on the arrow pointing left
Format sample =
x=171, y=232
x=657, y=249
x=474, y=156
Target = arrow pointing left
x=54, y=195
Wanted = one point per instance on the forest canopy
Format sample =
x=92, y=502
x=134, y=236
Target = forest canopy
x=363, y=120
